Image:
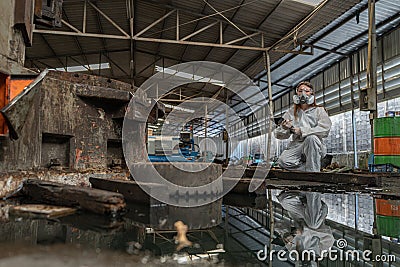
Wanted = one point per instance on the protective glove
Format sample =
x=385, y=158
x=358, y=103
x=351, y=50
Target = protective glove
x=286, y=124
x=296, y=130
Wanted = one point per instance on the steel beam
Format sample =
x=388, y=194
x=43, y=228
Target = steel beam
x=242, y=38
x=350, y=17
x=152, y=24
x=229, y=21
x=109, y=19
x=300, y=25
x=323, y=55
x=78, y=43
x=144, y=39
x=84, y=16
x=204, y=16
x=70, y=26
x=199, y=31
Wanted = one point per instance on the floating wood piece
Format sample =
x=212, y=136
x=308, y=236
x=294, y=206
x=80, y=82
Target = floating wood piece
x=94, y=200
x=331, y=178
x=40, y=210
x=131, y=190
x=319, y=182
x=339, y=170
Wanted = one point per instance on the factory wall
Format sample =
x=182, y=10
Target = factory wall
x=332, y=86
x=339, y=142
x=333, y=91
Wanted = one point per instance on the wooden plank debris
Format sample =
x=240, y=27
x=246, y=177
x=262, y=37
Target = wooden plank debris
x=48, y=211
x=131, y=190
x=279, y=179
x=94, y=200
x=330, y=178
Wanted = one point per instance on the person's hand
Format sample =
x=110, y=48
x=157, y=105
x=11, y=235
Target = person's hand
x=286, y=124
x=296, y=130
x=288, y=239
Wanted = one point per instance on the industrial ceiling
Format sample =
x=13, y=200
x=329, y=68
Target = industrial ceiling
x=135, y=36
x=274, y=20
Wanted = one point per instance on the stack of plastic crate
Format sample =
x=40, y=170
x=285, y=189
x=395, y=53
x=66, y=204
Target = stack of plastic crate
x=388, y=217
x=386, y=145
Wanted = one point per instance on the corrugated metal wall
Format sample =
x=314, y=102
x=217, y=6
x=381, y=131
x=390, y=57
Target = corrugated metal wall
x=332, y=86
x=333, y=90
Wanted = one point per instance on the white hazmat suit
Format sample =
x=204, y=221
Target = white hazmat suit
x=305, y=151
x=308, y=212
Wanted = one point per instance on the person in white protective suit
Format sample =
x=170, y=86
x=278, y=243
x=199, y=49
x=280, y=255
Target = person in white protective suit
x=308, y=124
x=308, y=212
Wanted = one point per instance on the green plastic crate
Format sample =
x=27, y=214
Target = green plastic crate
x=388, y=226
x=387, y=127
x=395, y=160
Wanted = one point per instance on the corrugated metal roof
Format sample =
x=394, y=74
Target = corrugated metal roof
x=343, y=36
x=274, y=16
x=254, y=12
x=332, y=27
x=346, y=38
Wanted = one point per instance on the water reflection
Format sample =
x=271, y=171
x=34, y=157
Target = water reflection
x=308, y=231
x=129, y=238
x=304, y=221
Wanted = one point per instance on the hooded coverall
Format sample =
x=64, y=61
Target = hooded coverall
x=304, y=152
x=308, y=212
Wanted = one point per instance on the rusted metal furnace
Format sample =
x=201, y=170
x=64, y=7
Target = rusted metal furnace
x=72, y=123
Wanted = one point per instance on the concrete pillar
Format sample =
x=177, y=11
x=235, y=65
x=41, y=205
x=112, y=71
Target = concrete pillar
x=12, y=44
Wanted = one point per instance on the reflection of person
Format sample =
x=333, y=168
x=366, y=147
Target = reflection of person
x=308, y=212
x=307, y=123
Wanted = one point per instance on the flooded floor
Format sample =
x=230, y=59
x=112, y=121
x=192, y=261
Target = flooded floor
x=85, y=239
x=312, y=221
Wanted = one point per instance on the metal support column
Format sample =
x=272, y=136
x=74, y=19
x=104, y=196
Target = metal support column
x=271, y=108
x=132, y=28
x=226, y=132
x=271, y=224
x=353, y=117
x=376, y=246
x=368, y=95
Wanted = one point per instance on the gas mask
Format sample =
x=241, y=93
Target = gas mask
x=303, y=99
